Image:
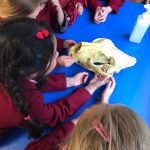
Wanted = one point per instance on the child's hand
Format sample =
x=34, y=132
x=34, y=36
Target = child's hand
x=101, y=14
x=65, y=61
x=77, y=79
x=68, y=43
x=60, y=13
x=96, y=82
x=79, y=8
x=108, y=90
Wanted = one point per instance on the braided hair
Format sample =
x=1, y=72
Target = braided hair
x=22, y=54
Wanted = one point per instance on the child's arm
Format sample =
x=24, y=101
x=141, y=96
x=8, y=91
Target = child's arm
x=53, y=139
x=64, y=60
x=60, y=16
x=59, y=81
x=108, y=91
x=53, y=113
x=79, y=8
x=115, y=5
x=93, y=4
x=56, y=19
x=56, y=82
x=60, y=42
x=63, y=44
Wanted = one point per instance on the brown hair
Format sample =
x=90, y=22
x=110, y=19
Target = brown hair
x=124, y=127
x=17, y=8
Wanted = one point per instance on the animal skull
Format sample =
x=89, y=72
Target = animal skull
x=101, y=56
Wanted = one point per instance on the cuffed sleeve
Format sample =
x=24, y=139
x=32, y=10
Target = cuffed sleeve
x=56, y=82
x=115, y=5
x=93, y=4
x=53, y=139
x=53, y=113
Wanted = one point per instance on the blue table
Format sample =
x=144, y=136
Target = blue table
x=132, y=87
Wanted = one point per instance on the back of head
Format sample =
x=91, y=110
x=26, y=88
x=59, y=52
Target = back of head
x=17, y=8
x=125, y=129
x=22, y=50
x=22, y=54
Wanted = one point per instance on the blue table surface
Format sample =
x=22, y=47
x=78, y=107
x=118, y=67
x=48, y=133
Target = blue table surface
x=132, y=88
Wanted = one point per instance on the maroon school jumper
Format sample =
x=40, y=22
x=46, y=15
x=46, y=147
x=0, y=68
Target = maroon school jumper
x=114, y=4
x=49, y=14
x=50, y=114
x=53, y=139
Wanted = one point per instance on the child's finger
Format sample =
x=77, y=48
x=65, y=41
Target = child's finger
x=108, y=86
x=84, y=78
x=80, y=10
x=96, y=15
x=113, y=82
x=72, y=44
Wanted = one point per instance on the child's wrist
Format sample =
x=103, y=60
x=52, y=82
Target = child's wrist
x=104, y=99
x=109, y=9
x=69, y=82
x=90, y=88
x=98, y=8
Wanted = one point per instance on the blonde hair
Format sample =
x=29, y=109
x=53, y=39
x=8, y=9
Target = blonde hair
x=125, y=129
x=17, y=8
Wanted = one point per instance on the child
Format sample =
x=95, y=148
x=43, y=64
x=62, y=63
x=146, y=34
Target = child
x=27, y=55
x=101, y=11
x=57, y=13
x=102, y=127
x=31, y=8
x=61, y=13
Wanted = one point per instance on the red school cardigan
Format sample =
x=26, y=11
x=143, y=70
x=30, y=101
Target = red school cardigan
x=53, y=140
x=114, y=4
x=50, y=114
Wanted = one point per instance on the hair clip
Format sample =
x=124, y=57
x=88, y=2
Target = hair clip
x=27, y=118
x=42, y=34
x=100, y=129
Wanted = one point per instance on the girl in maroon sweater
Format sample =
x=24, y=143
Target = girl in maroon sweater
x=31, y=8
x=27, y=55
x=59, y=14
x=102, y=10
x=102, y=127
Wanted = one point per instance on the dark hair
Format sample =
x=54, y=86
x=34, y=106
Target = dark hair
x=22, y=54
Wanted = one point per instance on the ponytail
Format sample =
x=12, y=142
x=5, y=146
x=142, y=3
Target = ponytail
x=34, y=128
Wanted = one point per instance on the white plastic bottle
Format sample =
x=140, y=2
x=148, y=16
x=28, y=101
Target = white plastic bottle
x=141, y=26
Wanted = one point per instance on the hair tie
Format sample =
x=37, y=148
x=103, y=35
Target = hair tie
x=27, y=118
x=42, y=34
x=100, y=129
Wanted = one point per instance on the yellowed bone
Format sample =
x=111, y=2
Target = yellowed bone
x=101, y=56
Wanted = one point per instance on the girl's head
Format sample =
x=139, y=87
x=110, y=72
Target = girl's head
x=22, y=52
x=110, y=127
x=27, y=50
x=20, y=8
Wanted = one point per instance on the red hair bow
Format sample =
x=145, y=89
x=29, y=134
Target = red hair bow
x=42, y=34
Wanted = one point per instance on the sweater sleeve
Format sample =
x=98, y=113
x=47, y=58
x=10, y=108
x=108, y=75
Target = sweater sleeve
x=115, y=5
x=93, y=4
x=60, y=45
x=53, y=113
x=53, y=139
x=56, y=82
x=49, y=15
